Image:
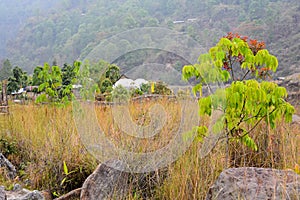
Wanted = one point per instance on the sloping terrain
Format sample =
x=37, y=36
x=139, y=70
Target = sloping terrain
x=71, y=29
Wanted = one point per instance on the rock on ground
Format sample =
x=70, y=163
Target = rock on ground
x=74, y=194
x=18, y=193
x=105, y=183
x=292, y=84
x=2, y=193
x=296, y=119
x=112, y=181
x=255, y=183
x=11, y=170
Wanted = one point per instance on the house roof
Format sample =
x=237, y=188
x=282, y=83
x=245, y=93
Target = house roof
x=129, y=83
x=20, y=91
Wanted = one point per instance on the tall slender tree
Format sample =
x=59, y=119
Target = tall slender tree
x=5, y=70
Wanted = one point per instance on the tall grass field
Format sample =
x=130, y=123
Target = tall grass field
x=39, y=139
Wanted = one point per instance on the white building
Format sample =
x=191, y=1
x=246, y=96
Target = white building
x=129, y=83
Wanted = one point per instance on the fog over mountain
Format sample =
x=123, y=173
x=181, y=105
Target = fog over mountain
x=38, y=31
x=13, y=15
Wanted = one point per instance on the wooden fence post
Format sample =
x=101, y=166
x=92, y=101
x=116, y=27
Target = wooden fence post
x=4, y=100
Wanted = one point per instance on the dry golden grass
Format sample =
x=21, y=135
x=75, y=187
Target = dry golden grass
x=46, y=137
x=139, y=113
x=191, y=176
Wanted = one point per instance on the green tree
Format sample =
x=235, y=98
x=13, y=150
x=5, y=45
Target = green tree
x=152, y=22
x=246, y=102
x=56, y=83
x=109, y=77
x=12, y=85
x=69, y=77
x=36, y=81
x=51, y=78
x=145, y=88
x=70, y=73
x=89, y=86
x=106, y=85
x=113, y=73
x=96, y=69
x=18, y=80
x=6, y=70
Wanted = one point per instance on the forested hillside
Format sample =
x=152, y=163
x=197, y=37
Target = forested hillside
x=14, y=13
x=71, y=29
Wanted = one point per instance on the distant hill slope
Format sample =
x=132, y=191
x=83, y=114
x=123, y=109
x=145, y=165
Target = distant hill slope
x=13, y=13
x=76, y=27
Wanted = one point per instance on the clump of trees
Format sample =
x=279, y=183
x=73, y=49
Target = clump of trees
x=54, y=84
x=121, y=94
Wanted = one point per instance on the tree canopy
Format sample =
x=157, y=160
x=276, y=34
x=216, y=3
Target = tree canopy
x=5, y=70
x=246, y=102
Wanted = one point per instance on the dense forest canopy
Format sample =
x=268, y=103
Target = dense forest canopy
x=38, y=31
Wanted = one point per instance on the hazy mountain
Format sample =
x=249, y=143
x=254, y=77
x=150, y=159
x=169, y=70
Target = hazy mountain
x=41, y=31
x=14, y=13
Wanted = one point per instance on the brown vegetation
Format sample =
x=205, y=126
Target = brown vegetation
x=46, y=136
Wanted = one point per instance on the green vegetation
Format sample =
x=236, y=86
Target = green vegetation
x=74, y=29
x=41, y=139
x=18, y=80
x=161, y=88
x=14, y=14
x=120, y=94
x=109, y=77
x=38, y=142
x=246, y=102
x=53, y=84
x=5, y=70
x=56, y=84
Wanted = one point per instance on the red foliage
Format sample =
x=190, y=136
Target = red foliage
x=254, y=45
x=231, y=35
x=240, y=58
x=226, y=66
x=245, y=38
x=264, y=69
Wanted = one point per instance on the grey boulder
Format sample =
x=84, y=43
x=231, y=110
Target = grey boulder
x=249, y=183
x=19, y=193
x=106, y=182
x=2, y=193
